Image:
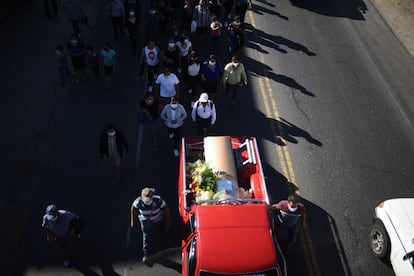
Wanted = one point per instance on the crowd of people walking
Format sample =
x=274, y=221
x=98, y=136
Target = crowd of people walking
x=183, y=41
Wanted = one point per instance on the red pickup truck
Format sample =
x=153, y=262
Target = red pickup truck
x=223, y=201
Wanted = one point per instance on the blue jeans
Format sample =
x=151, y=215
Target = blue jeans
x=151, y=236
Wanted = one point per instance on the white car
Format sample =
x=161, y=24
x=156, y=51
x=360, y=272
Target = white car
x=392, y=235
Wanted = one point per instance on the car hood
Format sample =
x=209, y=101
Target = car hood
x=400, y=211
x=235, y=239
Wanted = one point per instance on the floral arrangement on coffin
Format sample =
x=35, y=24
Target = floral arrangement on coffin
x=202, y=180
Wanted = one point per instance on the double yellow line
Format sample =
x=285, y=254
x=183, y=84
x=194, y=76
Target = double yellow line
x=284, y=157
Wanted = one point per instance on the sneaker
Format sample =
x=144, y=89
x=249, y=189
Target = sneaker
x=171, y=135
x=146, y=260
x=67, y=262
x=149, y=89
x=176, y=153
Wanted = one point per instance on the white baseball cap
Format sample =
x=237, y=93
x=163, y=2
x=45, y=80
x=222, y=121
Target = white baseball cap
x=203, y=98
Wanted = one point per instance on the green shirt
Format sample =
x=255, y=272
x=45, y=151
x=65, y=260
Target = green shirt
x=233, y=75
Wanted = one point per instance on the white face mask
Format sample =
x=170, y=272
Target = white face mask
x=171, y=44
x=148, y=203
x=292, y=209
x=111, y=134
x=58, y=52
x=131, y=14
x=235, y=64
x=212, y=63
x=74, y=41
x=174, y=106
x=237, y=23
x=186, y=40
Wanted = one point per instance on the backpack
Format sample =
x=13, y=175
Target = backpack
x=210, y=103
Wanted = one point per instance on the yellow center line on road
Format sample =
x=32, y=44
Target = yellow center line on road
x=272, y=112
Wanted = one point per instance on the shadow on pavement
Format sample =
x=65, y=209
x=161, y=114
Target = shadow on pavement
x=258, y=69
x=318, y=250
x=164, y=258
x=261, y=11
x=352, y=9
x=289, y=131
x=272, y=41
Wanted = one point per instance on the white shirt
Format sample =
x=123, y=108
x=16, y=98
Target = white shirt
x=183, y=51
x=167, y=85
x=151, y=56
x=204, y=112
x=193, y=69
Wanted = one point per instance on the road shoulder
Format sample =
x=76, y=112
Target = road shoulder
x=399, y=15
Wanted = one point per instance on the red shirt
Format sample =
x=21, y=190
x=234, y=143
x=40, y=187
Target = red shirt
x=289, y=219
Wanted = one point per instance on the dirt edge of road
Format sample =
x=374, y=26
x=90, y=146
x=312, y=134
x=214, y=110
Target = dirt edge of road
x=399, y=15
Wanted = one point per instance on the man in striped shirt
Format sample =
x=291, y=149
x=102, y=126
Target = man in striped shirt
x=154, y=216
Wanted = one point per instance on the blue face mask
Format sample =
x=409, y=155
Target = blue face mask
x=148, y=203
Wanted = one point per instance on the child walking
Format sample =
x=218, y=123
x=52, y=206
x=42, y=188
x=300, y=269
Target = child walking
x=109, y=61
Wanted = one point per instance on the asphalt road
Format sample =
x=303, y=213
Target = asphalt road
x=328, y=100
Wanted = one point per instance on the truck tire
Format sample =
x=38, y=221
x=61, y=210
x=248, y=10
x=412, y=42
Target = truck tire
x=379, y=240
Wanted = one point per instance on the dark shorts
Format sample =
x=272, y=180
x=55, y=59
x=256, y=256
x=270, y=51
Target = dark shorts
x=109, y=70
x=78, y=63
x=77, y=224
x=202, y=30
x=95, y=69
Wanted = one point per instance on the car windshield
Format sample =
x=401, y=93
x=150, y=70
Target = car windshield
x=230, y=200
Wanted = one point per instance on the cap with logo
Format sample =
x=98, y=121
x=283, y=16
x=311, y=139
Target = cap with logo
x=52, y=212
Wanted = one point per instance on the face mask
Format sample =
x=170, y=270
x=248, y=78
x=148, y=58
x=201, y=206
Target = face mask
x=212, y=63
x=148, y=203
x=74, y=41
x=131, y=14
x=235, y=64
x=58, y=52
x=152, y=11
x=149, y=102
x=292, y=209
x=171, y=45
x=112, y=133
x=186, y=40
x=237, y=23
x=174, y=106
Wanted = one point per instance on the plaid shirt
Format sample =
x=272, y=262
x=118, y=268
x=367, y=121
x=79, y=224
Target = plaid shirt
x=112, y=149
